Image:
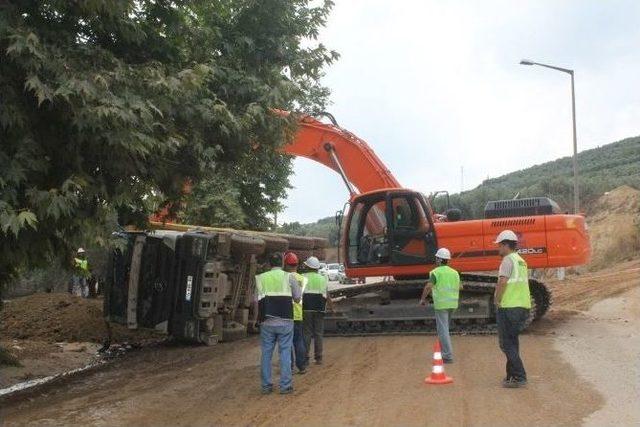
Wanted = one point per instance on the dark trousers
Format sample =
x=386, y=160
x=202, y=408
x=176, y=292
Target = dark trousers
x=314, y=328
x=511, y=322
x=299, y=350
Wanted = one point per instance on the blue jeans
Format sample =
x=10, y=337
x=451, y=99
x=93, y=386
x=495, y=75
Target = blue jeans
x=79, y=286
x=511, y=321
x=313, y=322
x=299, y=349
x=443, y=322
x=283, y=335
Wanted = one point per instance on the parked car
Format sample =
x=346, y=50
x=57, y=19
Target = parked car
x=332, y=271
x=323, y=268
x=344, y=280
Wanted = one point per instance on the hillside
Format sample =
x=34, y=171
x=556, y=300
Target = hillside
x=602, y=169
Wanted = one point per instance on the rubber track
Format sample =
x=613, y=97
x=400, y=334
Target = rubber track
x=476, y=283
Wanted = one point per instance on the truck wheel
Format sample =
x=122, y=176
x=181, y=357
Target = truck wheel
x=320, y=243
x=299, y=242
x=242, y=244
x=274, y=243
x=320, y=253
x=302, y=254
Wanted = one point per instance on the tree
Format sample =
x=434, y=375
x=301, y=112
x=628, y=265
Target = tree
x=242, y=194
x=108, y=106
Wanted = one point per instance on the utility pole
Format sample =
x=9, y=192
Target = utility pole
x=461, y=179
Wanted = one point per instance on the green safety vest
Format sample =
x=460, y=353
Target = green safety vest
x=446, y=287
x=315, y=294
x=82, y=265
x=297, y=306
x=516, y=293
x=274, y=294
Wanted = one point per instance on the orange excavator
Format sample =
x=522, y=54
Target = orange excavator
x=392, y=233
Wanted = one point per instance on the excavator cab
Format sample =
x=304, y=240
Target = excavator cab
x=389, y=227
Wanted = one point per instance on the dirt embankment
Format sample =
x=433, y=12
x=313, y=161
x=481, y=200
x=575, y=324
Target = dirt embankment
x=578, y=293
x=614, y=227
x=60, y=317
x=52, y=333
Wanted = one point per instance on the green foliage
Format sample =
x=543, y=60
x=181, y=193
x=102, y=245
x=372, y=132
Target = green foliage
x=325, y=227
x=242, y=194
x=108, y=107
x=600, y=169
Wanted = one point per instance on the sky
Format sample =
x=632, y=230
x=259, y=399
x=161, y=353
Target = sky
x=436, y=88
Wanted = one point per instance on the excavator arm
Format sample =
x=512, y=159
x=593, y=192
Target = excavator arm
x=342, y=151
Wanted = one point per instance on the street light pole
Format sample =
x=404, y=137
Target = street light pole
x=576, y=196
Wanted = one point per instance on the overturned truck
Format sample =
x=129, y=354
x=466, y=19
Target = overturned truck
x=193, y=284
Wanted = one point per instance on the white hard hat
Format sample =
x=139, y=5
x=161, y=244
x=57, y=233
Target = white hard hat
x=443, y=253
x=80, y=250
x=312, y=262
x=506, y=235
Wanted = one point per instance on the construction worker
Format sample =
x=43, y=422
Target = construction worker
x=314, y=302
x=81, y=274
x=276, y=293
x=298, y=352
x=444, y=283
x=513, y=301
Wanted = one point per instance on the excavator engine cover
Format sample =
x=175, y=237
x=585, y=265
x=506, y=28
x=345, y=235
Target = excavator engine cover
x=531, y=206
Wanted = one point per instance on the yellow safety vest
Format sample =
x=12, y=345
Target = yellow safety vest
x=297, y=306
x=274, y=294
x=315, y=294
x=516, y=293
x=446, y=287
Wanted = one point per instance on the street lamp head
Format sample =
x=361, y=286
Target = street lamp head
x=526, y=62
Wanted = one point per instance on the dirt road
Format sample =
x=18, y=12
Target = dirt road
x=365, y=381
x=379, y=380
x=604, y=345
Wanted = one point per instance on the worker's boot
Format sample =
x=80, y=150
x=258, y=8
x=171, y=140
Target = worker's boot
x=287, y=390
x=513, y=382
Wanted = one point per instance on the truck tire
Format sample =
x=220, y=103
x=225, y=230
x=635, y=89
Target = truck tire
x=320, y=243
x=320, y=253
x=302, y=254
x=274, y=243
x=243, y=244
x=299, y=242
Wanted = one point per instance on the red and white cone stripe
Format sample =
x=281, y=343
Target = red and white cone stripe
x=437, y=371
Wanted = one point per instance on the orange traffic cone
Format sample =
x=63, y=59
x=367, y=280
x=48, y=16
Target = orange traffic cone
x=437, y=372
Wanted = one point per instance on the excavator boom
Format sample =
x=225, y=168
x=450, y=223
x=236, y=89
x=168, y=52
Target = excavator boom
x=343, y=152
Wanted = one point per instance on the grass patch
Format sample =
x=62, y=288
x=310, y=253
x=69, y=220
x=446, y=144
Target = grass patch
x=8, y=359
